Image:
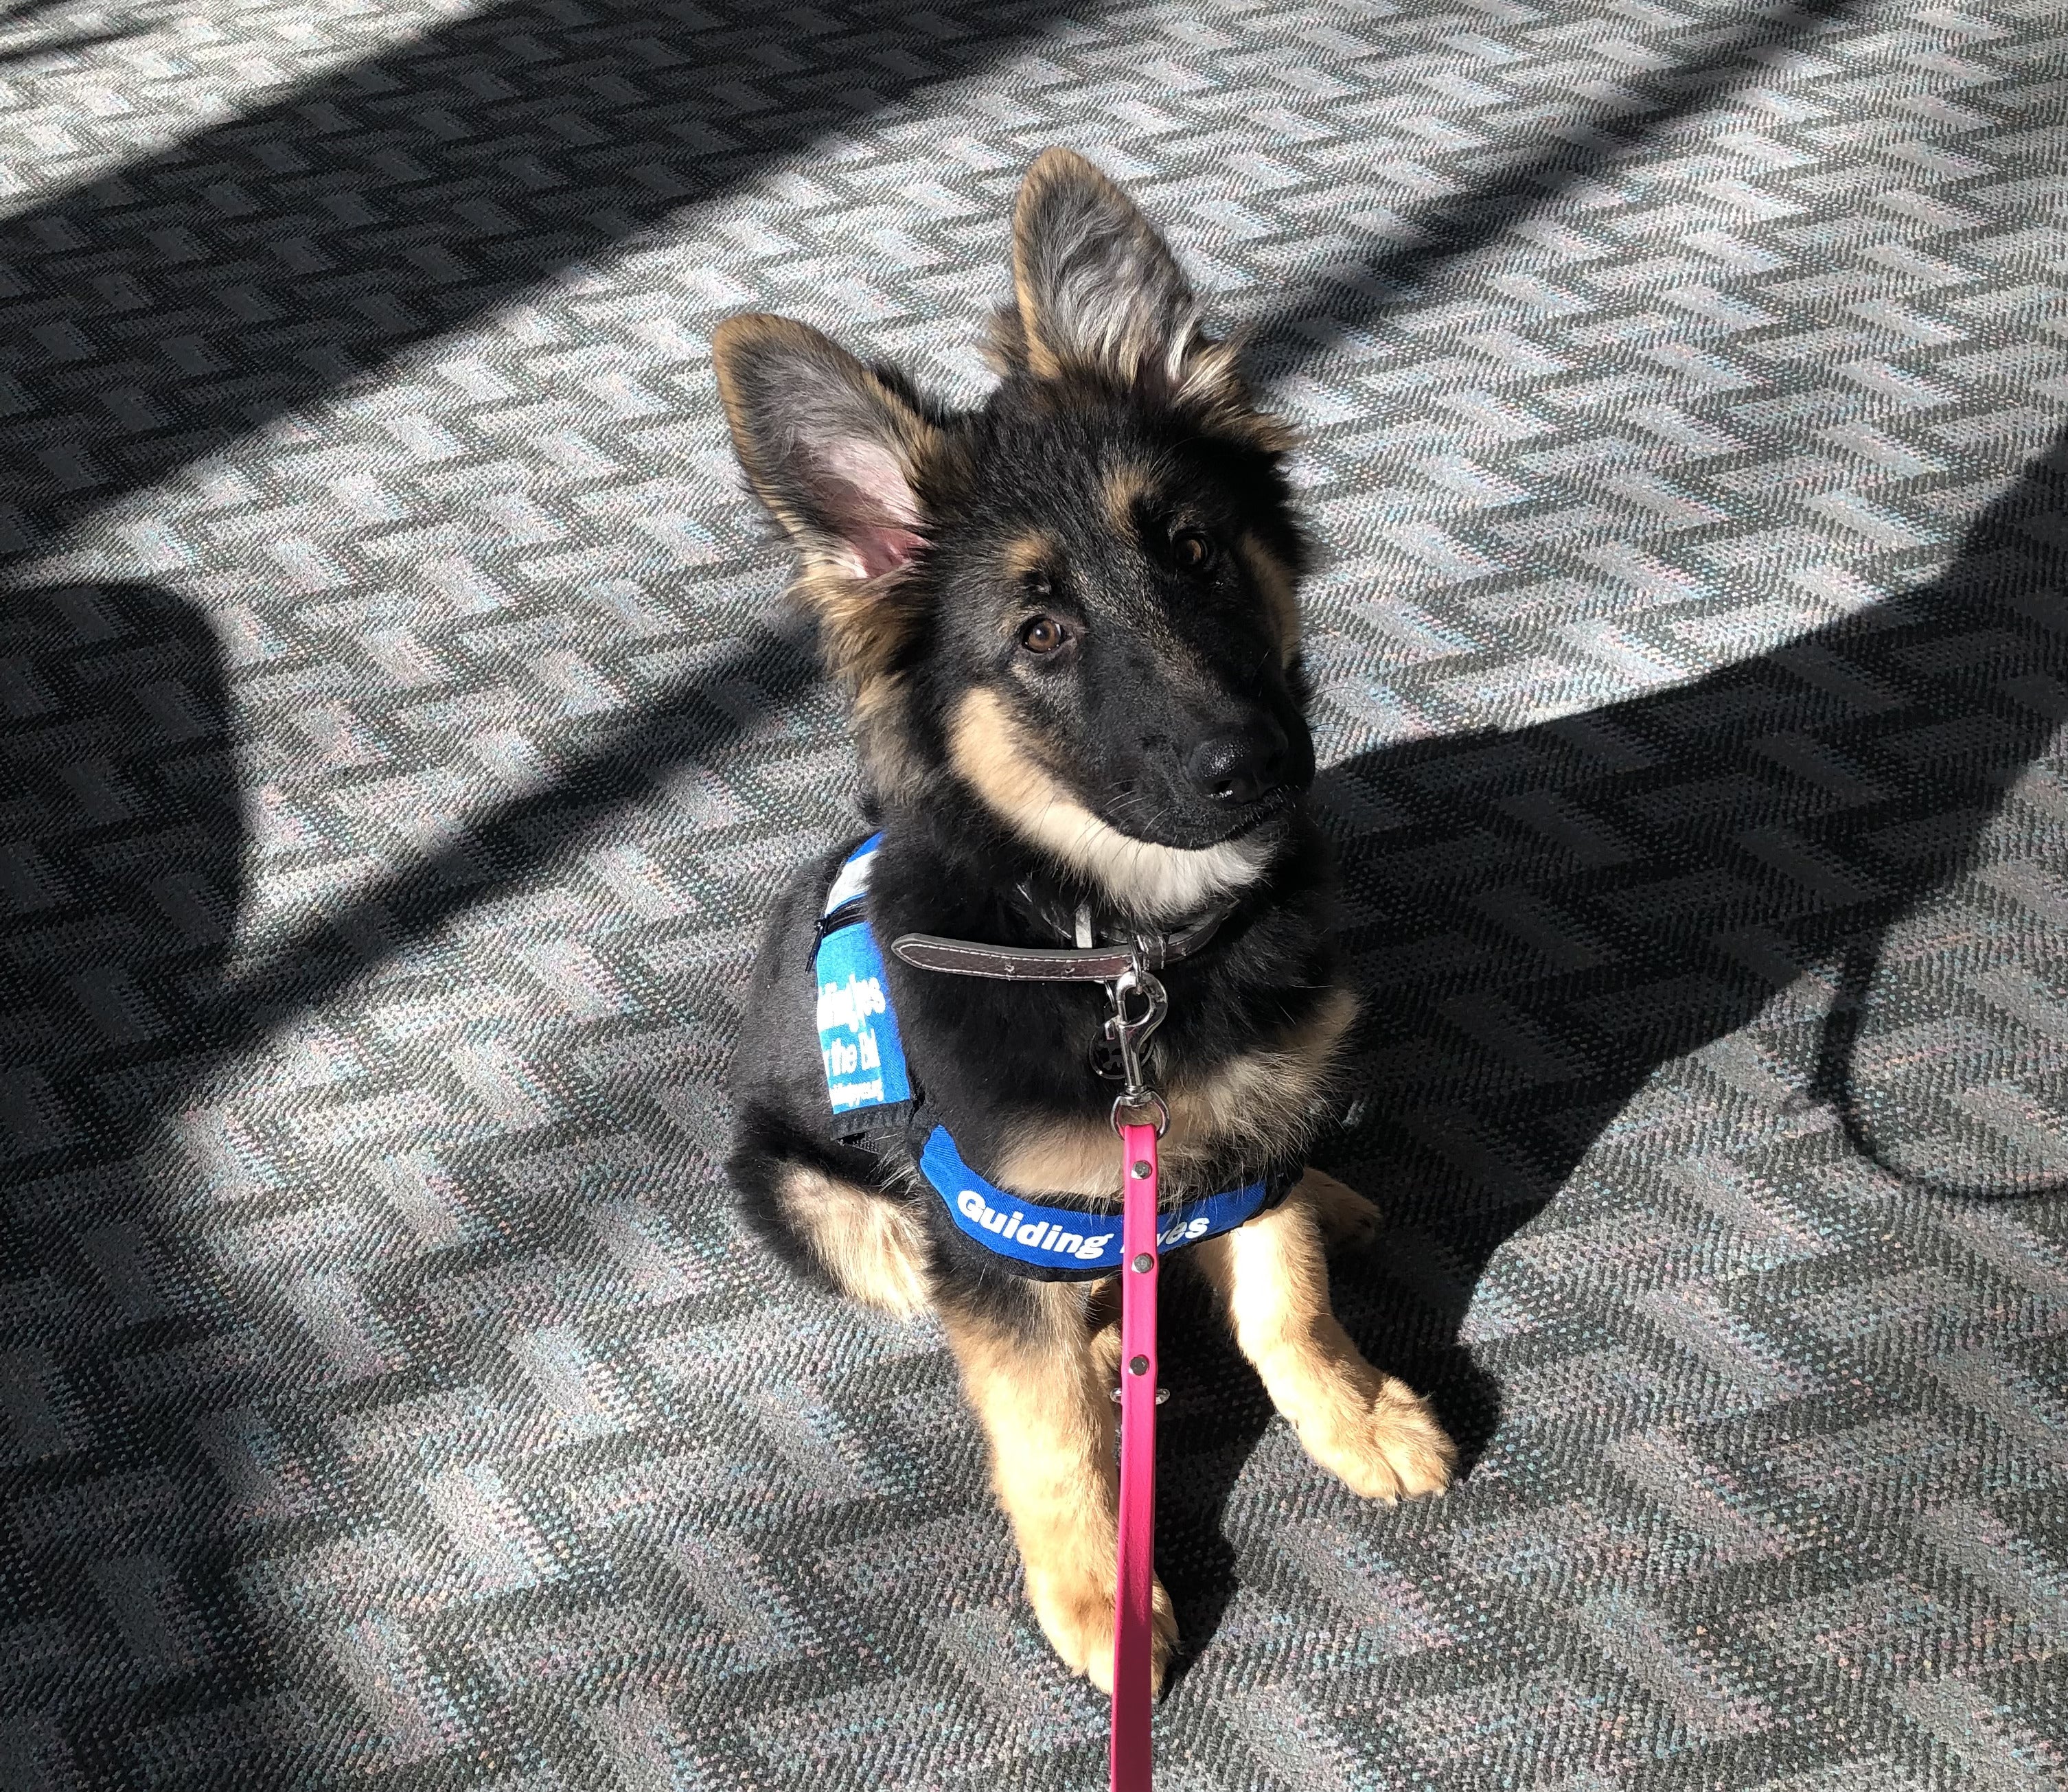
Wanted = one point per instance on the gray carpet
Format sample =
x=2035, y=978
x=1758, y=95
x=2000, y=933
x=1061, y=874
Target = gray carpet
x=401, y=738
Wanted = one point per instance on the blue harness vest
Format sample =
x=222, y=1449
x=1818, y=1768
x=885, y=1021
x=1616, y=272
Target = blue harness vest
x=868, y=1087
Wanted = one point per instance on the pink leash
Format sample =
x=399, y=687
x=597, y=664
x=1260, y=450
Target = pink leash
x=1129, y=1759
x=1139, y=1005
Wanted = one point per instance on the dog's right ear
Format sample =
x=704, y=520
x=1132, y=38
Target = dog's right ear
x=835, y=449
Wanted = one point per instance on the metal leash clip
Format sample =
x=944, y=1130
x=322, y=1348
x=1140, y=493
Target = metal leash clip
x=1131, y=1033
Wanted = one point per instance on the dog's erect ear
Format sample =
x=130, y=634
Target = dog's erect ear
x=1095, y=288
x=1094, y=284
x=835, y=449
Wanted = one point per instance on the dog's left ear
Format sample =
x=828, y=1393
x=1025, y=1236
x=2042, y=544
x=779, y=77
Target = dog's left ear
x=1095, y=289
x=1095, y=286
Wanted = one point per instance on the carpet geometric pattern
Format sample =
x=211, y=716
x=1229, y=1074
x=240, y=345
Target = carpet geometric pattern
x=402, y=738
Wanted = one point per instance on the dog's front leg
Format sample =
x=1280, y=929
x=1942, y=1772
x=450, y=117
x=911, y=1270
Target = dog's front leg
x=1375, y=1433
x=1041, y=1385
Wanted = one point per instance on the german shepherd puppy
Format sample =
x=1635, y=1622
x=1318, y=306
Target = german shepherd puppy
x=1068, y=622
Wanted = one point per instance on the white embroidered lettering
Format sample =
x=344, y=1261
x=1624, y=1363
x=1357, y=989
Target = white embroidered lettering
x=850, y=1004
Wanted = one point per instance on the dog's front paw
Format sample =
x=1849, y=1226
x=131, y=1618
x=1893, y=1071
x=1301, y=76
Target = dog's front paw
x=1077, y=1616
x=1385, y=1444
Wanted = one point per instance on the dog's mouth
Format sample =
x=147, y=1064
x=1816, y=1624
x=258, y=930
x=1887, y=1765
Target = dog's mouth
x=1263, y=814
x=1138, y=817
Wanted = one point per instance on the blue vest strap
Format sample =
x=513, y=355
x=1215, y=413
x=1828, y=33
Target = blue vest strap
x=868, y=1087
x=1068, y=1241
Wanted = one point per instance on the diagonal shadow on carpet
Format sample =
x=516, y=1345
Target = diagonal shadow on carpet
x=1543, y=918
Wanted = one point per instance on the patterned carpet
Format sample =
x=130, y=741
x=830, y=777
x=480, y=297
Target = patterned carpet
x=401, y=739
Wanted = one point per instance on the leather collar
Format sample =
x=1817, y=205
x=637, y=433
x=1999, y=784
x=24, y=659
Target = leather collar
x=1152, y=949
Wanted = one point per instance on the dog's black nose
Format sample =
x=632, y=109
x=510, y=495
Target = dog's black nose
x=1243, y=766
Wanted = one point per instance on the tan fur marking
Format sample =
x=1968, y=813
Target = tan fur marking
x=1373, y=1433
x=1034, y=552
x=1261, y=1102
x=872, y=1249
x=1212, y=387
x=1123, y=488
x=1003, y=344
x=881, y=738
x=864, y=621
x=1061, y=1158
x=1257, y=1099
x=1046, y=1410
x=991, y=751
x=1040, y=363
x=1274, y=579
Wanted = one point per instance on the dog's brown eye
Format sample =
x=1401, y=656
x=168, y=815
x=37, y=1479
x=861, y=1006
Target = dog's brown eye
x=1192, y=551
x=1044, y=634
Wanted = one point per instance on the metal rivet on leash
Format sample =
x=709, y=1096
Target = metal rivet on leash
x=1144, y=1264
x=1138, y=1365
x=1142, y=1167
